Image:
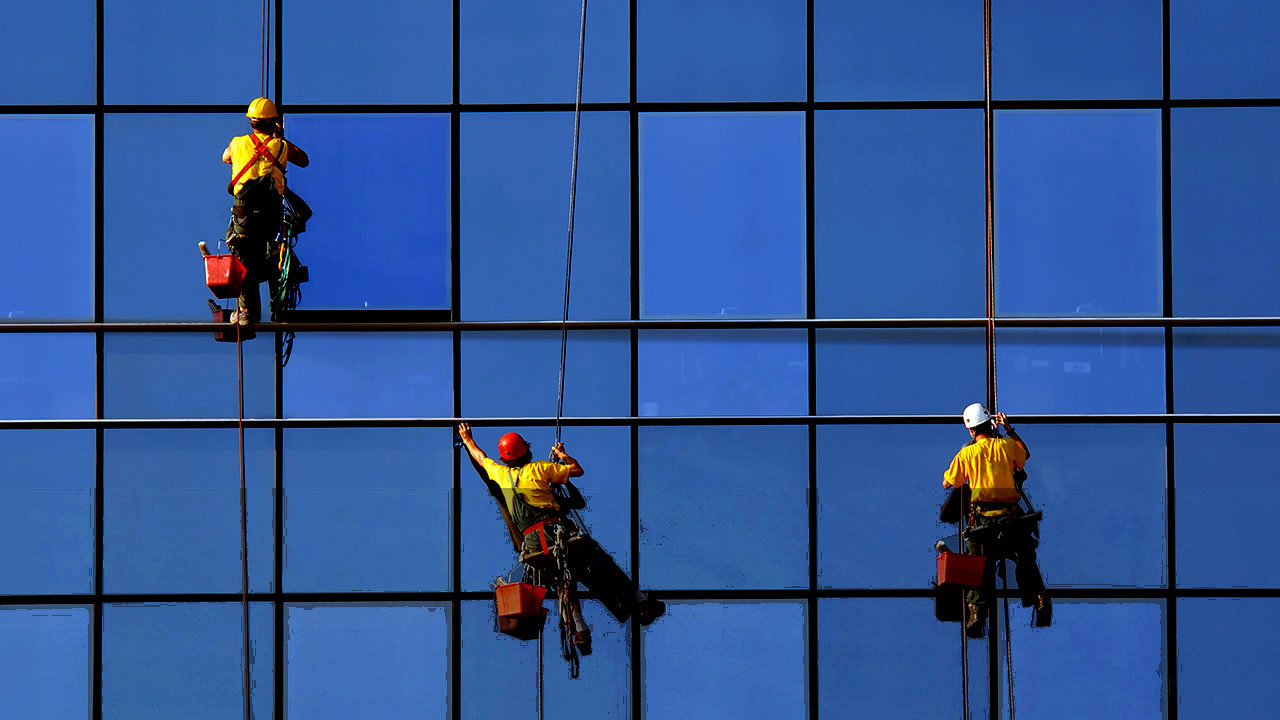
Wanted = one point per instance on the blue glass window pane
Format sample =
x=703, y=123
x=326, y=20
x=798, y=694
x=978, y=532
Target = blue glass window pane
x=46, y=511
x=171, y=504
x=1110, y=654
x=906, y=50
x=706, y=539
x=876, y=654
x=722, y=215
x=1069, y=371
x=384, y=51
x=390, y=486
x=59, y=38
x=517, y=374
x=489, y=659
x=378, y=661
x=1226, y=370
x=1224, y=187
x=726, y=660
x=723, y=372
x=151, y=223
x=513, y=51
x=893, y=188
x=861, y=505
x=1226, y=656
x=185, y=51
x=46, y=376
x=1085, y=50
x=720, y=50
x=1078, y=192
x=514, y=197
x=899, y=372
x=50, y=263
x=1116, y=543
x=1218, y=544
x=379, y=185
x=1223, y=49
x=605, y=455
x=370, y=375
x=185, y=375
x=184, y=660
x=44, y=671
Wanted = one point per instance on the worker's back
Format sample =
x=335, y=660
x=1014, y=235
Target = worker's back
x=987, y=465
x=247, y=162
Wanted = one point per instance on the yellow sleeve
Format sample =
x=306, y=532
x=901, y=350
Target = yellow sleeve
x=495, y=471
x=553, y=472
x=1019, y=455
x=955, y=473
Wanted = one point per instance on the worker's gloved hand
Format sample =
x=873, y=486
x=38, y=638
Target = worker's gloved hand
x=558, y=451
x=464, y=431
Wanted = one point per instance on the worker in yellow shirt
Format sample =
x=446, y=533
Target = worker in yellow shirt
x=257, y=182
x=987, y=465
x=526, y=486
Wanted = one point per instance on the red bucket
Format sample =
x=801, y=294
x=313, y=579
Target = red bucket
x=523, y=628
x=960, y=569
x=520, y=600
x=224, y=274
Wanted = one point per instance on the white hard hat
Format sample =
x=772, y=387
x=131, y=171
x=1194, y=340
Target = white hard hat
x=975, y=415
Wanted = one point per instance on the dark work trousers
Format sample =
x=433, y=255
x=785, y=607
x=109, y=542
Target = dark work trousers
x=595, y=568
x=255, y=222
x=1006, y=539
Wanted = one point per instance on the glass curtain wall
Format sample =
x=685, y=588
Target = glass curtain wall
x=808, y=233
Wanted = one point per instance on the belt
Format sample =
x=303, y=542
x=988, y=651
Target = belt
x=995, y=508
x=540, y=528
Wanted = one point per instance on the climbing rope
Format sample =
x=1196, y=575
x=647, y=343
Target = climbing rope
x=964, y=616
x=244, y=515
x=265, y=49
x=244, y=526
x=1008, y=636
x=573, y=192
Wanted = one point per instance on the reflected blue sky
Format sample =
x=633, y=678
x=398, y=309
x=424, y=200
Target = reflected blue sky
x=717, y=218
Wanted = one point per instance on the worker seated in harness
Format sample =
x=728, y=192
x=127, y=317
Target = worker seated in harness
x=526, y=488
x=988, y=465
x=257, y=181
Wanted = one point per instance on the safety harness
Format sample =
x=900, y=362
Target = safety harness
x=261, y=150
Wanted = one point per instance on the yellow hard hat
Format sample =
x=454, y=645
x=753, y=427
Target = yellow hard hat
x=262, y=109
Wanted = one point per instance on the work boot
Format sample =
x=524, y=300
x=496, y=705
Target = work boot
x=649, y=611
x=1043, y=610
x=582, y=641
x=976, y=624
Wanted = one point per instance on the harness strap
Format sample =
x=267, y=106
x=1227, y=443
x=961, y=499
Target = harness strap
x=540, y=528
x=260, y=150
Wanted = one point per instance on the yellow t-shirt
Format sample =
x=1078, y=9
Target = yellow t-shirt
x=987, y=465
x=242, y=150
x=532, y=480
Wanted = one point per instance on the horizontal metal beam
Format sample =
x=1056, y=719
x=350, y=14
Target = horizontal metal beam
x=1107, y=593
x=667, y=324
x=657, y=106
x=716, y=420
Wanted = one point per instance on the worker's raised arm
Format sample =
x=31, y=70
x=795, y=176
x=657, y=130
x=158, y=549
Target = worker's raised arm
x=298, y=156
x=464, y=432
x=1003, y=421
x=575, y=470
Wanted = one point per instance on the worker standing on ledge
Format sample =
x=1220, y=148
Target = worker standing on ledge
x=526, y=487
x=987, y=465
x=257, y=181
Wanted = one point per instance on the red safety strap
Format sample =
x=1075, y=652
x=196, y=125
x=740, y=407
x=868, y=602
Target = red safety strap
x=260, y=149
x=539, y=527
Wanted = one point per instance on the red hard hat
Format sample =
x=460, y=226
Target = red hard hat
x=512, y=447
